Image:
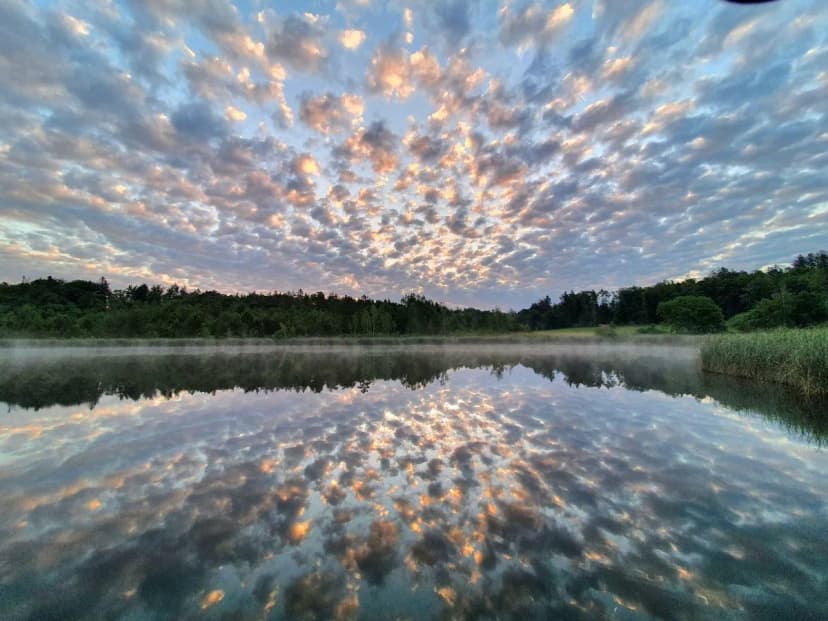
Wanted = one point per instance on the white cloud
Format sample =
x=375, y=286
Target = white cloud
x=351, y=39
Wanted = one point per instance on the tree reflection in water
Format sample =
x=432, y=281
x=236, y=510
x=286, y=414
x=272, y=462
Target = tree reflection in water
x=440, y=483
x=46, y=381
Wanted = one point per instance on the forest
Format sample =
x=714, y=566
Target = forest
x=792, y=296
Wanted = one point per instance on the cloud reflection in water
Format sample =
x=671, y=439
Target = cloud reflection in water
x=478, y=496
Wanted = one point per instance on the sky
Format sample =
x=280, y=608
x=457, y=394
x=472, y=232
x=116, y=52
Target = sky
x=480, y=153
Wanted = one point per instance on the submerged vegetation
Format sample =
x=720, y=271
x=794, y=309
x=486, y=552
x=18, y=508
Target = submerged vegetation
x=797, y=358
x=795, y=296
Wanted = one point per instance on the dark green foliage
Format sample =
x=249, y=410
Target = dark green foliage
x=48, y=307
x=691, y=313
x=733, y=292
x=54, y=308
x=806, y=308
x=585, y=308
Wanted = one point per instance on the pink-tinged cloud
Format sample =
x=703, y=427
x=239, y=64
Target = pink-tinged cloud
x=478, y=154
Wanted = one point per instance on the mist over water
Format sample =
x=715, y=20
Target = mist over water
x=443, y=482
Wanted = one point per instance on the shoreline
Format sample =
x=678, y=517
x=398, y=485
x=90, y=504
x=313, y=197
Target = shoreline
x=796, y=358
x=23, y=352
x=519, y=338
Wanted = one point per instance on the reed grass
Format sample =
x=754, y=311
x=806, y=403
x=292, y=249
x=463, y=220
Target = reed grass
x=796, y=357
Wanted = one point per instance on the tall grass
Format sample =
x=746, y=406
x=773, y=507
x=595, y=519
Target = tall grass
x=797, y=357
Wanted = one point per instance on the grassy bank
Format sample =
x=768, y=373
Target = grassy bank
x=622, y=334
x=796, y=357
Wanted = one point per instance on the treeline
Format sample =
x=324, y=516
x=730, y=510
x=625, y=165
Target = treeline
x=794, y=296
x=52, y=307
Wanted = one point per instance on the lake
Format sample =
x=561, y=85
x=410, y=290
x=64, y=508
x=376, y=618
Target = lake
x=425, y=482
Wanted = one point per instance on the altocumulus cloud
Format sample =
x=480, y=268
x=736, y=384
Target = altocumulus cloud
x=479, y=153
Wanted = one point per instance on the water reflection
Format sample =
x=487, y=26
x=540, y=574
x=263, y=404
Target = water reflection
x=36, y=381
x=439, y=484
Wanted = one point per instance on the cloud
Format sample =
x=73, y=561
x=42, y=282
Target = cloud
x=503, y=157
x=307, y=166
x=395, y=73
x=533, y=24
x=232, y=113
x=604, y=110
x=375, y=143
x=198, y=121
x=297, y=41
x=329, y=113
x=351, y=39
x=425, y=68
x=451, y=20
x=493, y=167
x=627, y=19
x=427, y=148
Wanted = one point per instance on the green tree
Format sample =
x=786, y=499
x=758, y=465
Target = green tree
x=784, y=309
x=691, y=313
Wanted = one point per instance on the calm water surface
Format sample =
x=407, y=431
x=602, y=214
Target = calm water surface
x=435, y=483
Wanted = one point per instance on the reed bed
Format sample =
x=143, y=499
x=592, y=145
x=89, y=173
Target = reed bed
x=796, y=357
